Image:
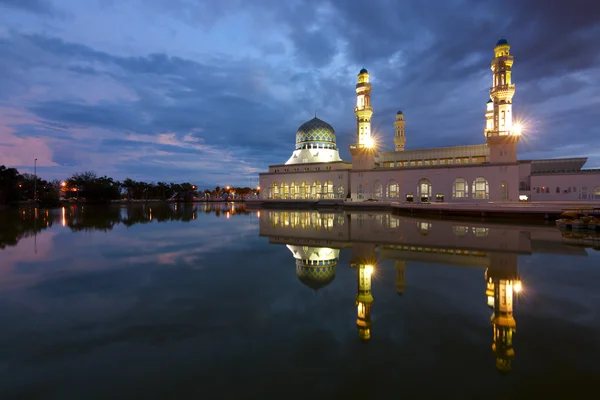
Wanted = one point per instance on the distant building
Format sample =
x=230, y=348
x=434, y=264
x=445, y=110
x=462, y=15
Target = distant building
x=476, y=173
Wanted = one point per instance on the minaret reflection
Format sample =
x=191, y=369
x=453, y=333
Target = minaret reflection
x=364, y=260
x=400, y=266
x=503, y=284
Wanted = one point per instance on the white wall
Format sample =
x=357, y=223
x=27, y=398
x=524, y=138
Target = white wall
x=441, y=179
x=564, y=182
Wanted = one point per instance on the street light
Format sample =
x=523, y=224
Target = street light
x=35, y=179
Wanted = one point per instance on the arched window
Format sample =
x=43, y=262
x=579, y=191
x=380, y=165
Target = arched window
x=597, y=193
x=328, y=190
x=557, y=189
x=316, y=189
x=460, y=189
x=481, y=189
x=340, y=192
x=274, y=191
x=378, y=189
x=304, y=190
x=503, y=191
x=424, y=190
x=359, y=193
x=294, y=190
x=284, y=190
x=583, y=194
x=392, y=189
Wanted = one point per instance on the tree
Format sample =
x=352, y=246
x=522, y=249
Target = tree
x=9, y=185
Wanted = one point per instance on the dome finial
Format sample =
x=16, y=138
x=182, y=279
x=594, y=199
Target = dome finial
x=315, y=113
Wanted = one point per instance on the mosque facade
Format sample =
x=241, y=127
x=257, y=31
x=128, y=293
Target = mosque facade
x=475, y=173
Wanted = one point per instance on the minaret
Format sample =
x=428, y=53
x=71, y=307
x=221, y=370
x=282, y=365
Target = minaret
x=363, y=110
x=502, y=285
x=502, y=136
x=400, y=266
x=399, y=138
x=364, y=301
x=364, y=260
x=363, y=151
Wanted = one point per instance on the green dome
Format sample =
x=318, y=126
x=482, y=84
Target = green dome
x=315, y=134
x=316, y=276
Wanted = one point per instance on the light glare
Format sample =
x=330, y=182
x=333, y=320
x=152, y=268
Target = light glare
x=518, y=287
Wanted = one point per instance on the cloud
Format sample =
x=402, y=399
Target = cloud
x=193, y=86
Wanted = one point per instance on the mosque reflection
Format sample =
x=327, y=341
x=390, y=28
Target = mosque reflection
x=316, y=240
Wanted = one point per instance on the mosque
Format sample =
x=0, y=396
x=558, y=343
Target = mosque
x=485, y=172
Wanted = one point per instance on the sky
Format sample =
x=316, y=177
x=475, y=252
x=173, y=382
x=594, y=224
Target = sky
x=212, y=92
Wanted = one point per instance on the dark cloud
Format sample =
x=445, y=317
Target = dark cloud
x=430, y=59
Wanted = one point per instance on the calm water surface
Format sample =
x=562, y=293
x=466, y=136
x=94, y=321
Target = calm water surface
x=216, y=302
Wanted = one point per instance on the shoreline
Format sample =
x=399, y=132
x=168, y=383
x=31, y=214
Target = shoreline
x=544, y=211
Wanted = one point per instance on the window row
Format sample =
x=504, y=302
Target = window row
x=479, y=189
x=440, y=161
x=584, y=192
x=305, y=190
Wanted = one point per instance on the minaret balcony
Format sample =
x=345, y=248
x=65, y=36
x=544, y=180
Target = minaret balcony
x=363, y=111
x=503, y=91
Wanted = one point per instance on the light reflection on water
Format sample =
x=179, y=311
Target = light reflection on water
x=192, y=299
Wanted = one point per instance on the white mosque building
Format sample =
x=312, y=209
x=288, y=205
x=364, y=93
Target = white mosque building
x=476, y=173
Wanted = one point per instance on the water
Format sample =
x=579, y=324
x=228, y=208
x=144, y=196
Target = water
x=196, y=302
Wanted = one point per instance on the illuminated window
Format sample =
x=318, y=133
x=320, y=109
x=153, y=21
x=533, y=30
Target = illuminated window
x=294, y=190
x=328, y=190
x=480, y=188
x=392, y=190
x=340, y=192
x=424, y=228
x=460, y=189
x=460, y=230
x=274, y=191
x=284, y=190
x=424, y=189
x=480, y=232
x=597, y=193
x=316, y=190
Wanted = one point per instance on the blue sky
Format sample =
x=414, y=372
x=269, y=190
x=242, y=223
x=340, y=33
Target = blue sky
x=213, y=92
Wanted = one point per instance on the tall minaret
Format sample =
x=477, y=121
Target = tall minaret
x=399, y=138
x=363, y=151
x=502, y=137
x=363, y=110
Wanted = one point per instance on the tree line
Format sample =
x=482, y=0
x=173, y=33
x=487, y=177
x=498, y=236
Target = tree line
x=16, y=187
